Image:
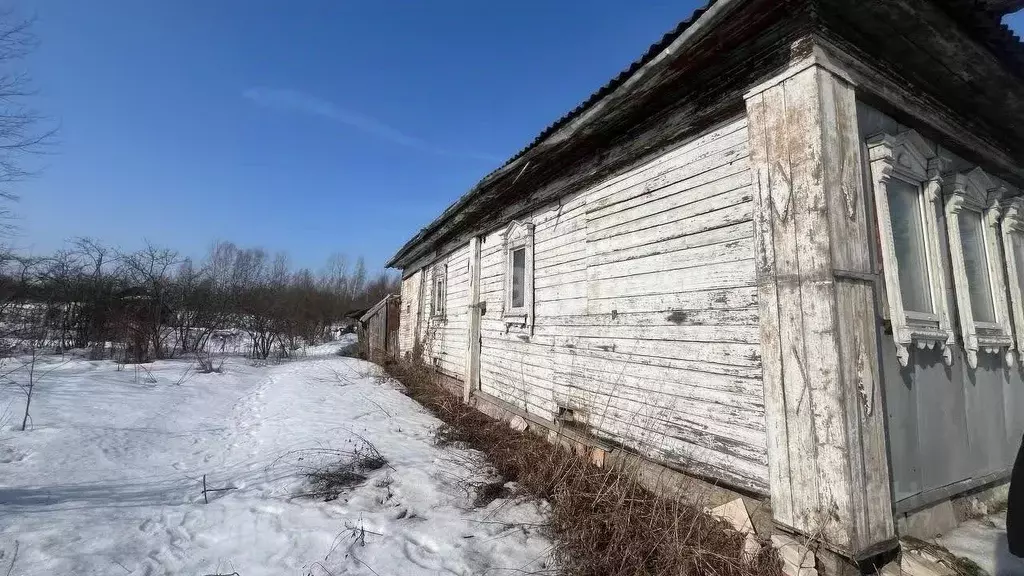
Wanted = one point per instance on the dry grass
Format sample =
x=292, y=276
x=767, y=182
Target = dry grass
x=329, y=472
x=937, y=553
x=205, y=364
x=603, y=521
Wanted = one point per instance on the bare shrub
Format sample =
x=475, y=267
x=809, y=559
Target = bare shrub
x=329, y=472
x=151, y=304
x=146, y=376
x=26, y=376
x=97, y=351
x=205, y=364
x=604, y=521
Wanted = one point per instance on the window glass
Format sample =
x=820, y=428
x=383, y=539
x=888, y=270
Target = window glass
x=519, y=277
x=908, y=238
x=439, y=297
x=975, y=261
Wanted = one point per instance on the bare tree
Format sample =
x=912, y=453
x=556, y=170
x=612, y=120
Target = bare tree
x=28, y=374
x=94, y=296
x=22, y=129
x=145, y=299
x=357, y=282
x=334, y=277
x=89, y=296
x=28, y=385
x=32, y=320
x=198, y=307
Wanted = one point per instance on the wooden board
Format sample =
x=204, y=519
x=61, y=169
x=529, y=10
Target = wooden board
x=828, y=462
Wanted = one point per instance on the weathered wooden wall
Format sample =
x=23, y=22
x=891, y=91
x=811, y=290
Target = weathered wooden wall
x=444, y=337
x=646, y=313
x=648, y=326
x=829, y=474
x=948, y=427
x=380, y=327
x=410, y=315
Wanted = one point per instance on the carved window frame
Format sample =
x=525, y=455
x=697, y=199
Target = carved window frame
x=1013, y=223
x=907, y=157
x=518, y=236
x=438, y=291
x=974, y=191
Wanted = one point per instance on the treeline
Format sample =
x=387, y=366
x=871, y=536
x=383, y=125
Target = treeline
x=153, y=303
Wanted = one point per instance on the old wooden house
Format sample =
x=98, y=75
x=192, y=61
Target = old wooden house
x=783, y=252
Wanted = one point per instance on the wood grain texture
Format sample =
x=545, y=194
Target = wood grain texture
x=410, y=313
x=646, y=312
x=827, y=460
x=472, y=371
x=445, y=338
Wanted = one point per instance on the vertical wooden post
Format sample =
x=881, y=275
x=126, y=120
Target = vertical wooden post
x=421, y=310
x=828, y=468
x=472, y=373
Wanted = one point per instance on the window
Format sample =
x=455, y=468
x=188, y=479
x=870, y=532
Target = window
x=439, y=289
x=518, y=278
x=1013, y=249
x=972, y=213
x=906, y=213
x=518, y=301
x=972, y=235
x=907, y=191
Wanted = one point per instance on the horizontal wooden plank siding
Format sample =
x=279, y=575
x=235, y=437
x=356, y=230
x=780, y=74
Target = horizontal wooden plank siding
x=444, y=340
x=670, y=278
x=410, y=313
x=646, y=321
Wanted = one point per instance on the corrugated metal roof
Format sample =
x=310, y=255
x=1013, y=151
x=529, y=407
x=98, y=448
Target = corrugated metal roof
x=1001, y=7
x=989, y=20
x=652, y=51
x=985, y=19
x=999, y=35
x=650, y=54
x=980, y=15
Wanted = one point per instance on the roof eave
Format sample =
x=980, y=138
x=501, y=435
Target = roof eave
x=700, y=22
x=1002, y=7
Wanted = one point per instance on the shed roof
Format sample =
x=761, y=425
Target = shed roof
x=376, y=307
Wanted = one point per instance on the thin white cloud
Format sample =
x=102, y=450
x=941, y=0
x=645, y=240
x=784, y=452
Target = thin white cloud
x=284, y=99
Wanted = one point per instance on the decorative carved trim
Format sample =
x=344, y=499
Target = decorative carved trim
x=1013, y=223
x=782, y=194
x=974, y=191
x=518, y=235
x=906, y=156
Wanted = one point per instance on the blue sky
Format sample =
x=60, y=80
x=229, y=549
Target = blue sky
x=312, y=126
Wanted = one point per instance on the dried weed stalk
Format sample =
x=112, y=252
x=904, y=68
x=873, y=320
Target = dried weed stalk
x=604, y=522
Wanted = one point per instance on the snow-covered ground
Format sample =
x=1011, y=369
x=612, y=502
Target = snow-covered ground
x=109, y=478
x=984, y=541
